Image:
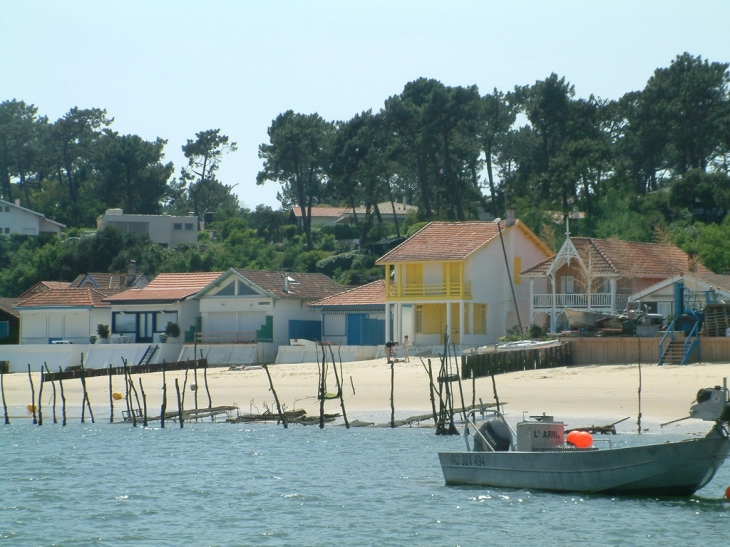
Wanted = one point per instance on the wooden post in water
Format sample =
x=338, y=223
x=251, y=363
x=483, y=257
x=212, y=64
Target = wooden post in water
x=40, y=400
x=195, y=378
x=322, y=388
x=276, y=398
x=163, y=408
x=2, y=390
x=53, y=385
x=473, y=388
x=392, y=393
x=127, y=392
x=86, y=393
x=185, y=383
x=111, y=396
x=339, y=386
x=458, y=379
x=32, y=396
x=63, y=397
x=205, y=379
x=179, y=403
x=136, y=396
x=144, y=402
x=431, y=389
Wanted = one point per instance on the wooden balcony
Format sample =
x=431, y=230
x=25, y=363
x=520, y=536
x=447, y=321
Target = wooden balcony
x=600, y=301
x=429, y=291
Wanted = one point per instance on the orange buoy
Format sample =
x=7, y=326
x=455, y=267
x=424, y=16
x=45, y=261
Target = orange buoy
x=727, y=492
x=117, y=396
x=32, y=408
x=571, y=437
x=583, y=439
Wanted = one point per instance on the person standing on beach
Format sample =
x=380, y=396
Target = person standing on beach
x=406, y=344
x=390, y=350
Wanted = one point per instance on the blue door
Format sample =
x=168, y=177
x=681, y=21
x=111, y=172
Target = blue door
x=354, y=328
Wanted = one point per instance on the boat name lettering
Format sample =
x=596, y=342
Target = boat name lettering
x=546, y=434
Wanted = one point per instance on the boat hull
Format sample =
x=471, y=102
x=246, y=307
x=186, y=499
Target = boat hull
x=669, y=469
x=584, y=319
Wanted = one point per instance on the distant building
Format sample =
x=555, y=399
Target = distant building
x=163, y=229
x=15, y=219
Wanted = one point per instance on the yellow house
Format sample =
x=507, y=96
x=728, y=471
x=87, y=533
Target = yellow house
x=460, y=278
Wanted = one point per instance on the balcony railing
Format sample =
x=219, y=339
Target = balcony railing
x=226, y=337
x=430, y=290
x=597, y=301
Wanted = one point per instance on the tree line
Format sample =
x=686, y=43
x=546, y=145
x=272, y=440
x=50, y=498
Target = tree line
x=651, y=165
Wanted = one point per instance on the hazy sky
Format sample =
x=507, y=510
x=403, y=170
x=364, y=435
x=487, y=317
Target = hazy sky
x=171, y=68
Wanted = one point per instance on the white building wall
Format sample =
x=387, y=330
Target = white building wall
x=73, y=325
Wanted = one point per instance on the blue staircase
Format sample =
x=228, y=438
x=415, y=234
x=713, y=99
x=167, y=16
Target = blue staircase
x=675, y=350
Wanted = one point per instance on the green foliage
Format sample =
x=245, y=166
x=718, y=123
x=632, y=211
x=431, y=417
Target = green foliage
x=102, y=330
x=172, y=329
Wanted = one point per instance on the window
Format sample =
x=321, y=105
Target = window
x=7, y=230
x=7, y=208
x=189, y=226
x=480, y=319
x=567, y=283
x=177, y=226
x=467, y=313
x=419, y=319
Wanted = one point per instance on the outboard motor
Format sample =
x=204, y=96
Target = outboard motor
x=495, y=433
x=712, y=405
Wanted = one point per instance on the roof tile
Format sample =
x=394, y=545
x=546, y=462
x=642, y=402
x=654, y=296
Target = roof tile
x=372, y=294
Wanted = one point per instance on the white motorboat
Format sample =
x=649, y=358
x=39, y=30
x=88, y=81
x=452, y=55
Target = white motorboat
x=538, y=457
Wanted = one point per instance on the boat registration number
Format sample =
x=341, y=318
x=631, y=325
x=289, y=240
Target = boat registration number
x=468, y=460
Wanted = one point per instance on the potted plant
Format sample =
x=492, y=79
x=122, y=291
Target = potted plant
x=172, y=329
x=92, y=339
x=163, y=337
x=103, y=332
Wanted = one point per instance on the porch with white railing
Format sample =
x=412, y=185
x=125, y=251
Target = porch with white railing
x=598, y=301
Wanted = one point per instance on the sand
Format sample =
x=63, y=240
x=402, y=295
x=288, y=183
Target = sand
x=579, y=395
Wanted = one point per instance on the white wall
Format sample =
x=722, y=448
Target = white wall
x=76, y=325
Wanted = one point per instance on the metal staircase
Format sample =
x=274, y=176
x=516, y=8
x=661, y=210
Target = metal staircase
x=677, y=349
x=148, y=354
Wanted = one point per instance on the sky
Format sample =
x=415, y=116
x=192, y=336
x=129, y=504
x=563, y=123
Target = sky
x=173, y=68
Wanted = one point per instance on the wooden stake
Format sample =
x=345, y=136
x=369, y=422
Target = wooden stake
x=86, y=393
x=32, y=396
x=163, y=408
x=195, y=378
x=205, y=379
x=179, y=403
x=322, y=389
x=136, y=396
x=638, y=420
x=40, y=400
x=111, y=396
x=2, y=390
x=53, y=385
x=144, y=402
x=431, y=389
x=63, y=397
x=276, y=398
x=392, y=391
x=339, y=386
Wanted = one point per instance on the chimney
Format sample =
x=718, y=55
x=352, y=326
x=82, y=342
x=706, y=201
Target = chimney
x=510, y=218
x=692, y=261
x=131, y=272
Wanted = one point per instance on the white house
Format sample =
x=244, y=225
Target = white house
x=355, y=317
x=143, y=314
x=267, y=308
x=62, y=316
x=460, y=278
x=15, y=219
x=163, y=229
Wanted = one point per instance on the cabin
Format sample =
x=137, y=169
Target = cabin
x=355, y=317
x=460, y=279
x=599, y=275
x=165, y=230
x=141, y=315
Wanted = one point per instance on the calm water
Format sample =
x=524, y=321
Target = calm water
x=229, y=485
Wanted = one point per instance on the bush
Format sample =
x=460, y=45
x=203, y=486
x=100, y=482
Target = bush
x=102, y=330
x=172, y=329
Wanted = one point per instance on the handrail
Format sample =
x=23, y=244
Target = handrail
x=670, y=331
x=693, y=339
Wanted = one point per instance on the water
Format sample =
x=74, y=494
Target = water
x=235, y=485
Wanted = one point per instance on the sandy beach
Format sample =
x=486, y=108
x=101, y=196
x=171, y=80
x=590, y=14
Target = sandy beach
x=578, y=395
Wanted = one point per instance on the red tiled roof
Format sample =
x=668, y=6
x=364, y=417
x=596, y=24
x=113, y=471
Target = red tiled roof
x=167, y=287
x=626, y=258
x=66, y=298
x=43, y=286
x=372, y=294
x=304, y=286
x=718, y=281
x=439, y=241
x=116, y=281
